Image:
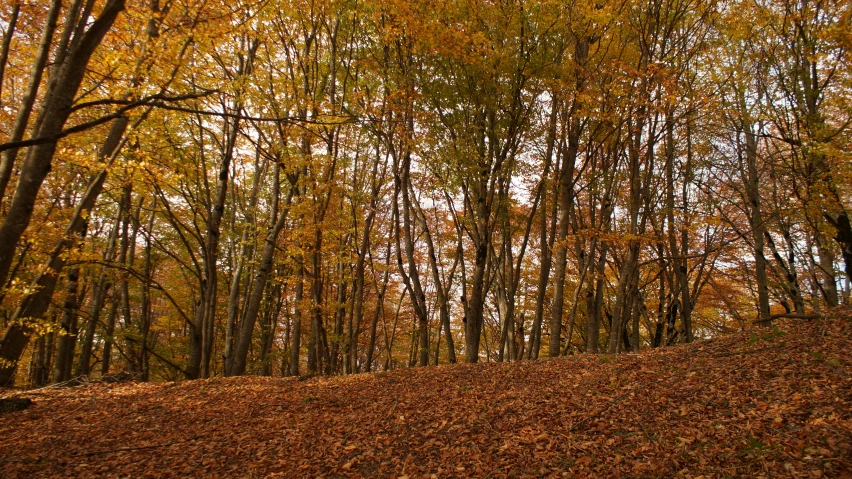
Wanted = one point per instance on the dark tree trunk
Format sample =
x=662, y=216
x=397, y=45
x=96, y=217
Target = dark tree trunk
x=68, y=329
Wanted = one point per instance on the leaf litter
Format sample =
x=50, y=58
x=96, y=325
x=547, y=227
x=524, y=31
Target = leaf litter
x=770, y=403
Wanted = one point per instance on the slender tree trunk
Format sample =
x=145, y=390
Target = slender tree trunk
x=441, y=289
x=268, y=328
x=4, y=51
x=41, y=368
x=594, y=321
x=296, y=333
x=340, y=315
x=545, y=241
x=315, y=352
x=410, y=276
x=204, y=322
x=109, y=332
x=355, y=315
x=202, y=334
x=247, y=327
x=9, y=157
x=98, y=299
x=566, y=198
x=678, y=261
x=380, y=305
x=686, y=297
x=786, y=271
x=127, y=258
x=626, y=273
x=246, y=251
x=68, y=329
x=758, y=227
x=145, y=316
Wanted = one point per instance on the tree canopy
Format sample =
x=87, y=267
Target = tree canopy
x=192, y=189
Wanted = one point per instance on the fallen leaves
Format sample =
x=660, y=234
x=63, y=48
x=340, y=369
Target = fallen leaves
x=731, y=406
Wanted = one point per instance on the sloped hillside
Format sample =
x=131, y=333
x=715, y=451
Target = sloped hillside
x=772, y=404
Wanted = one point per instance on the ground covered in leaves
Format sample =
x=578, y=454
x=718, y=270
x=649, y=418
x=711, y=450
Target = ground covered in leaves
x=773, y=403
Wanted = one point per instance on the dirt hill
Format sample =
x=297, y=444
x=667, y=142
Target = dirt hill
x=773, y=403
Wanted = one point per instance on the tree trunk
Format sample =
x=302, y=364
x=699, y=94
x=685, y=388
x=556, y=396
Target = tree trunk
x=98, y=299
x=380, y=305
x=260, y=279
x=593, y=328
x=109, y=332
x=355, y=316
x=68, y=329
x=627, y=267
x=410, y=276
x=844, y=239
x=566, y=198
x=44, y=355
x=826, y=268
x=10, y=156
x=246, y=252
x=268, y=328
x=4, y=50
x=296, y=333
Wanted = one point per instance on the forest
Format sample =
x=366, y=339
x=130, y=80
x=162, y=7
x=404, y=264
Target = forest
x=196, y=188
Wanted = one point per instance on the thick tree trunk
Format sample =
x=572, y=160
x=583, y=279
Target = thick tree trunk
x=44, y=356
x=476, y=303
x=844, y=239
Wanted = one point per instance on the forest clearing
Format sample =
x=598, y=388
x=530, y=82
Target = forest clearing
x=775, y=403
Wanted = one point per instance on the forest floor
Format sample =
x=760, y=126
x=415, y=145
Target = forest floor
x=769, y=403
